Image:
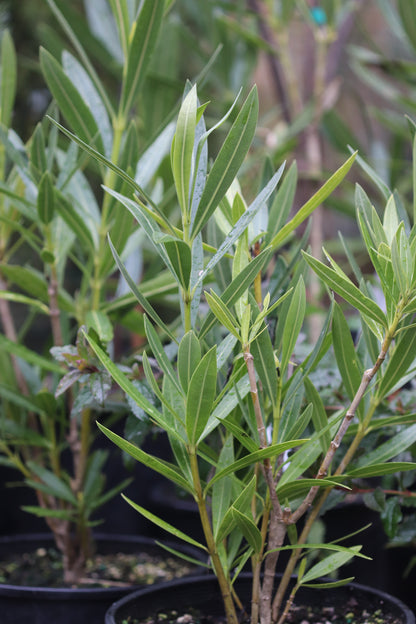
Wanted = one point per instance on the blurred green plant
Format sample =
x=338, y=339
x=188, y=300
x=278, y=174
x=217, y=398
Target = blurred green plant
x=56, y=268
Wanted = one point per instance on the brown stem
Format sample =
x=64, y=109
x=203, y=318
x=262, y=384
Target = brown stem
x=306, y=504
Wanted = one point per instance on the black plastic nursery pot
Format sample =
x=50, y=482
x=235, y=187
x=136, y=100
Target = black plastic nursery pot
x=42, y=605
x=201, y=593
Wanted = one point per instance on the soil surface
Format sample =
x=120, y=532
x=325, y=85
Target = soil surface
x=43, y=568
x=348, y=613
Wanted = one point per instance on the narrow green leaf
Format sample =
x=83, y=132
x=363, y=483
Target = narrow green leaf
x=164, y=525
x=222, y=490
x=100, y=322
x=407, y=12
x=139, y=296
x=293, y=324
x=182, y=151
x=330, y=564
x=55, y=486
x=393, y=447
x=241, y=282
x=42, y=512
x=348, y=362
x=319, y=416
x=248, y=529
x=29, y=355
x=69, y=31
x=374, y=177
x=222, y=313
x=401, y=257
x=228, y=162
x=300, y=487
x=282, y=203
x=127, y=386
x=27, y=301
x=200, y=397
x=159, y=353
x=306, y=210
x=72, y=218
x=189, y=356
x=344, y=287
x=264, y=363
x=38, y=162
x=73, y=107
x=180, y=256
x=121, y=14
x=154, y=463
x=46, y=199
x=378, y=470
x=399, y=362
x=8, y=78
x=242, y=223
x=257, y=456
x=143, y=40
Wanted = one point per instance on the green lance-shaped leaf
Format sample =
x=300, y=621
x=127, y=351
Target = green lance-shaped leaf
x=401, y=258
x=228, y=162
x=180, y=256
x=241, y=282
x=8, y=78
x=74, y=221
x=38, y=162
x=50, y=483
x=346, y=289
x=264, y=363
x=393, y=447
x=100, y=322
x=223, y=313
x=257, y=456
x=306, y=210
x=401, y=359
x=242, y=504
x=182, y=151
x=222, y=491
x=329, y=564
x=189, y=356
x=347, y=359
x=282, y=203
x=164, y=525
x=154, y=463
x=139, y=296
x=248, y=529
x=143, y=39
x=242, y=223
x=159, y=353
x=407, y=12
x=70, y=102
x=28, y=355
x=46, y=200
x=300, y=487
x=120, y=11
x=377, y=470
x=200, y=397
x=319, y=416
x=293, y=324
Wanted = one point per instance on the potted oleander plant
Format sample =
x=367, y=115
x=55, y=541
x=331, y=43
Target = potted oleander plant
x=56, y=283
x=230, y=388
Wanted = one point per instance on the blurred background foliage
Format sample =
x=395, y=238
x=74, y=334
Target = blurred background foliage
x=330, y=74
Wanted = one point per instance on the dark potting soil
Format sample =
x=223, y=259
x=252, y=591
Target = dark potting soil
x=43, y=568
x=348, y=612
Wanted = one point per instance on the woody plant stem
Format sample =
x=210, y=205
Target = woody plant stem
x=310, y=497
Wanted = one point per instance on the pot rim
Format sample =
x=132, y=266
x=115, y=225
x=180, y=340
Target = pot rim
x=57, y=593
x=409, y=616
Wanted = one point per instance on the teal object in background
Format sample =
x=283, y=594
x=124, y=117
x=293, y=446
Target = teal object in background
x=319, y=16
